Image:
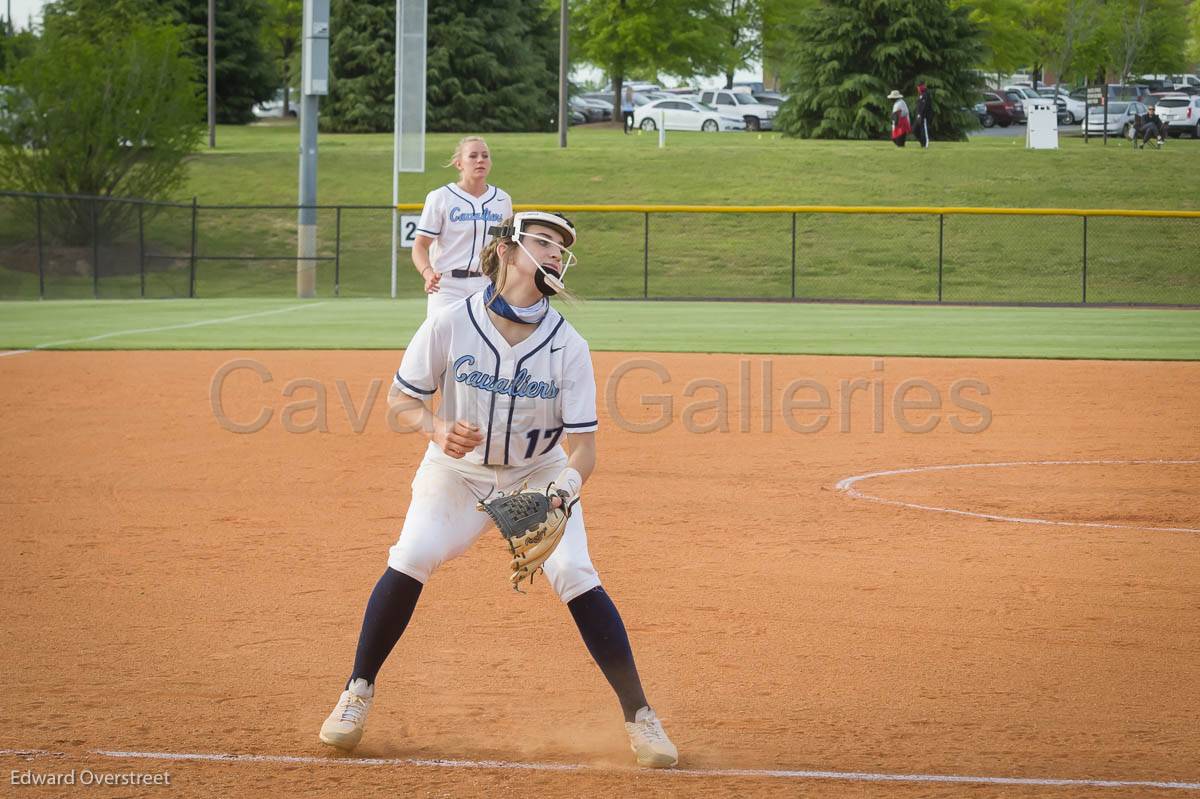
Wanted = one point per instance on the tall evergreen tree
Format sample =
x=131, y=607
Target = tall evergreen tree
x=852, y=52
x=246, y=72
x=281, y=38
x=489, y=67
x=492, y=66
x=361, y=66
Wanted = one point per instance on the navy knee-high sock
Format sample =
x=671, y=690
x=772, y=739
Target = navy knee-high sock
x=388, y=611
x=604, y=634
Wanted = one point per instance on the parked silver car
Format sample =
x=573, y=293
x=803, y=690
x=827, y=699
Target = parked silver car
x=1120, y=119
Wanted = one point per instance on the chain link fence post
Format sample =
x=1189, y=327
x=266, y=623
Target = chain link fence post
x=941, y=250
x=793, y=255
x=96, y=249
x=192, y=259
x=141, y=250
x=41, y=267
x=646, y=255
x=337, y=255
x=1084, y=278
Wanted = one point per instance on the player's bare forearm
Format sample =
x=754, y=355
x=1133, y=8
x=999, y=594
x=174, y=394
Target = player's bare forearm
x=420, y=254
x=582, y=457
x=409, y=412
x=455, y=438
x=420, y=259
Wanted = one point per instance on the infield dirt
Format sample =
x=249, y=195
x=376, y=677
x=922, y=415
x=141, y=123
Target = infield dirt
x=172, y=586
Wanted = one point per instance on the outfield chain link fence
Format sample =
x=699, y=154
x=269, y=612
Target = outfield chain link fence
x=65, y=246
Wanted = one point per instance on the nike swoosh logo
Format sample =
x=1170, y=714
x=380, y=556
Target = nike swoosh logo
x=558, y=349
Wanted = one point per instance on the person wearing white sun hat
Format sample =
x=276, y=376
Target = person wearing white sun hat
x=901, y=126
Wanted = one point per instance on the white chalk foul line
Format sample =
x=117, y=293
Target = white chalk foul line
x=847, y=485
x=506, y=765
x=180, y=326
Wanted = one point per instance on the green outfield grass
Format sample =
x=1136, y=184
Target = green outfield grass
x=999, y=259
x=1086, y=333
x=258, y=164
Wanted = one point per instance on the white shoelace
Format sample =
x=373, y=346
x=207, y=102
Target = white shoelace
x=652, y=730
x=355, y=709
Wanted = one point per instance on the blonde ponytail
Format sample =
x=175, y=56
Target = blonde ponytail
x=494, y=267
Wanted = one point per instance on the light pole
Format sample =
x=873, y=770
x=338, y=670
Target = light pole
x=315, y=79
x=564, y=101
x=212, y=75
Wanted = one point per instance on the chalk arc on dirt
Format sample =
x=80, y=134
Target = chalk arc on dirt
x=847, y=485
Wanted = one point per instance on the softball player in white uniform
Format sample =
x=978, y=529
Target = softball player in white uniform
x=453, y=230
x=516, y=382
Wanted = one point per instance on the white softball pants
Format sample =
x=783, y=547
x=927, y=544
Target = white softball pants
x=443, y=522
x=451, y=290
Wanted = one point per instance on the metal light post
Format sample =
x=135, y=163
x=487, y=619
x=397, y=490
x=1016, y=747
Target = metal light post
x=212, y=76
x=315, y=80
x=563, y=67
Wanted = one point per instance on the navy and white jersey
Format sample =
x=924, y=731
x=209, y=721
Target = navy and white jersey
x=458, y=223
x=523, y=397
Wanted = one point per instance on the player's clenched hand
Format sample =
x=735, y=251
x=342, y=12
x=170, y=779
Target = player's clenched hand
x=456, y=438
x=432, y=279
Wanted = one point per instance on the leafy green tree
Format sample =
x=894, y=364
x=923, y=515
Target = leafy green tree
x=1133, y=37
x=780, y=19
x=1064, y=30
x=110, y=112
x=641, y=38
x=741, y=23
x=1193, y=51
x=1163, y=47
x=81, y=17
x=1009, y=41
x=14, y=46
x=282, y=32
x=245, y=72
x=851, y=53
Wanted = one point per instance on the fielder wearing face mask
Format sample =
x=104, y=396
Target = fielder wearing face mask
x=516, y=383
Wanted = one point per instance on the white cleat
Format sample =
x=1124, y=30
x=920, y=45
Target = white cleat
x=649, y=741
x=344, y=727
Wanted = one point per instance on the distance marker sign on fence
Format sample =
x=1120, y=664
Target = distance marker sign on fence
x=408, y=230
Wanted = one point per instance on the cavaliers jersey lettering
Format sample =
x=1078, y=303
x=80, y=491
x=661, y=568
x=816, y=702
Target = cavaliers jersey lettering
x=522, y=397
x=519, y=386
x=458, y=223
x=458, y=215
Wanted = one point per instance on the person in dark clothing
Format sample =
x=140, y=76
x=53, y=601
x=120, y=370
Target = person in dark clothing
x=1149, y=127
x=924, y=114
